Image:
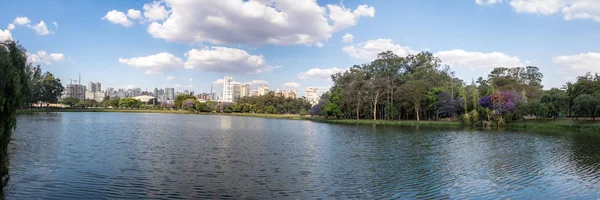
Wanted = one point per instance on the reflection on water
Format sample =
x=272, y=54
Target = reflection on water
x=141, y=156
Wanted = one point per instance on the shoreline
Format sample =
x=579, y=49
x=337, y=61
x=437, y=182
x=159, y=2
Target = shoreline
x=531, y=125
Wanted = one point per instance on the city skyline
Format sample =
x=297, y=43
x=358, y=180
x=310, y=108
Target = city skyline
x=232, y=92
x=129, y=44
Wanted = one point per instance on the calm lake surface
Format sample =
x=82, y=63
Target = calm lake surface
x=163, y=156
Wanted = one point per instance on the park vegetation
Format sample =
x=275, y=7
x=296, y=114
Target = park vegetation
x=266, y=104
x=421, y=87
x=21, y=86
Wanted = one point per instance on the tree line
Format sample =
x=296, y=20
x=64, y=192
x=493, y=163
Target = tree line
x=21, y=85
x=420, y=86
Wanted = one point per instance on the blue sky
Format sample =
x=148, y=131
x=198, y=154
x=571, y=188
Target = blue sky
x=295, y=44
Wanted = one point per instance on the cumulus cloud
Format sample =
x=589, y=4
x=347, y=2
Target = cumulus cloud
x=586, y=9
x=10, y=27
x=369, y=49
x=257, y=83
x=571, y=9
x=154, y=64
x=55, y=25
x=5, y=35
x=348, y=38
x=42, y=57
x=21, y=21
x=170, y=78
x=291, y=85
x=228, y=60
x=578, y=64
x=40, y=29
x=459, y=58
x=487, y=2
x=134, y=14
x=283, y=22
x=117, y=17
x=155, y=11
x=343, y=18
x=319, y=44
x=318, y=73
x=253, y=83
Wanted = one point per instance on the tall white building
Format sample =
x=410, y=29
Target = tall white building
x=263, y=90
x=245, y=90
x=227, y=89
x=170, y=93
x=312, y=95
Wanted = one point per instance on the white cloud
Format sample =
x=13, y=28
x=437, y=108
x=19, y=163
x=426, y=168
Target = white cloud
x=282, y=22
x=578, y=64
x=487, y=2
x=42, y=57
x=21, y=20
x=55, y=25
x=319, y=44
x=117, y=17
x=584, y=9
x=348, y=38
x=343, y=18
x=291, y=85
x=155, y=11
x=154, y=64
x=190, y=80
x=170, y=78
x=257, y=83
x=318, y=73
x=228, y=60
x=477, y=60
x=369, y=49
x=134, y=14
x=5, y=35
x=252, y=83
x=571, y=9
x=40, y=29
x=11, y=27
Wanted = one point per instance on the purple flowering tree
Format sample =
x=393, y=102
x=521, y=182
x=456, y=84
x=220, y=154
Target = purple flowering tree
x=188, y=104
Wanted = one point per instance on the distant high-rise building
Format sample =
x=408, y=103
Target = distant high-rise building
x=263, y=90
x=156, y=94
x=254, y=93
x=227, y=89
x=245, y=90
x=312, y=95
x=94, y=87
x=121, y=93
x=237, y=92
x=76, y=91
x=130, y=93
x=292, y=94
x=109, y=92
x=170, y=93
x=91, y=87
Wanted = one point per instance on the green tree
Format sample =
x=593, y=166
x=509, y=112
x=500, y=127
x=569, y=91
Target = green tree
x=129, y=103
x=182, y=98
x=14, y=89
x=69, y=101
x=556, y=102
x=414, y=92
x=51, y=88
x=586, y=105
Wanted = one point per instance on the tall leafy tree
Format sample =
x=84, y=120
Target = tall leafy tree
x=414, y=92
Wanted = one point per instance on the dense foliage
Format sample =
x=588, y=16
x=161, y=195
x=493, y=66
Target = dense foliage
x=419, y=87
x=20, y=86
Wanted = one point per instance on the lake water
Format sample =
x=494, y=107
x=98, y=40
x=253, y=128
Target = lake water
x=162, y=156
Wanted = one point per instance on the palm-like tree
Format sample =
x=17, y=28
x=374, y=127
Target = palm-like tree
x=568, y=88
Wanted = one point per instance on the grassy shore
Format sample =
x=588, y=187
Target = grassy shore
x=542, y=125
x=556, y=125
